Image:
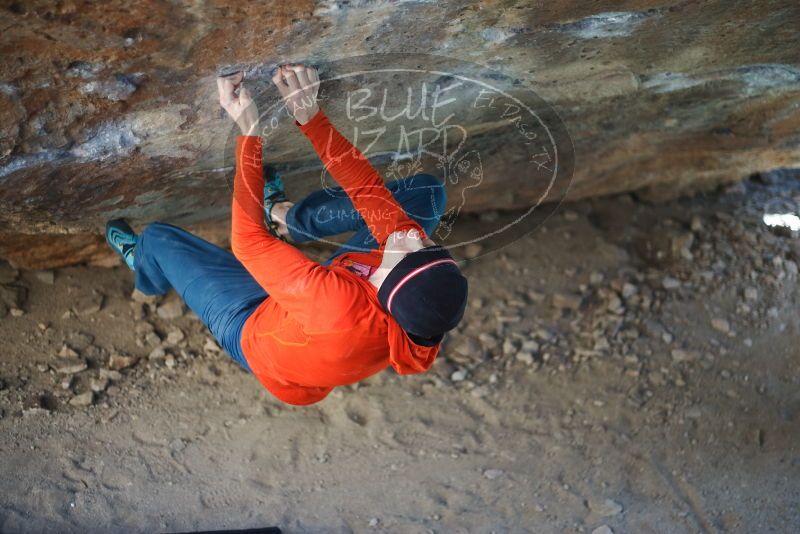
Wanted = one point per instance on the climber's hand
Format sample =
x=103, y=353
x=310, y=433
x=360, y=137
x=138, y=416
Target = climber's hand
x=240, y=107
x=299, y=86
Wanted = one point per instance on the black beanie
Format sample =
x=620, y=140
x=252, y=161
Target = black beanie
x=426, y=294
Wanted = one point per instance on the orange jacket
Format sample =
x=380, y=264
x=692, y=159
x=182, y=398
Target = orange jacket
x=321, y=326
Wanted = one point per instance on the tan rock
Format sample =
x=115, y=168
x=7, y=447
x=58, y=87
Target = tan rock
x=117, y=362
x=70, y=366
x=84, y=399
x=67, y=352
x=568, y=301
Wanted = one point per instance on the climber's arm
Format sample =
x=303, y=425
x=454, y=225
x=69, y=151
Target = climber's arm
x=362, y=182
x=289, y=277
x=348, y=166
x=303, y=287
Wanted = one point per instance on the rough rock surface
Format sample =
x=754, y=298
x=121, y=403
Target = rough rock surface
x=108, y=109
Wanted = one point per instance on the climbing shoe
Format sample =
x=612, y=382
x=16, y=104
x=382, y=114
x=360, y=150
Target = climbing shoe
x=122, y=239
x=274, y=193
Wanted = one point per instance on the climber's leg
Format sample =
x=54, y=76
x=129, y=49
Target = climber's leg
x=330, y=212
x=209, y=279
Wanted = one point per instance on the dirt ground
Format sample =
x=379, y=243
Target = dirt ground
x=626, y=368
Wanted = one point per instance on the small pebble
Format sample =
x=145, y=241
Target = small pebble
x=171, y=309
x=680, y=355
x=493, y=474
x=525, y=357
x=670, y=283
x=175, y=336
x=607, y=508
x=211, y=346
x=70, y=366
x=84, y=399
x=117, y=362
x=67, y=352
x=721, y=325
x=98, y=384
x=48, y=277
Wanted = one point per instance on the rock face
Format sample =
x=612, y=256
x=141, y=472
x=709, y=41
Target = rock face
x=109, y=109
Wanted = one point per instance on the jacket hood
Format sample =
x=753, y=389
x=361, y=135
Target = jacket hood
x=405, y=356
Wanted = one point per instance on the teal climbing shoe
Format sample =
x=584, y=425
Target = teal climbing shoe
x=122, y=239
x=274, y=193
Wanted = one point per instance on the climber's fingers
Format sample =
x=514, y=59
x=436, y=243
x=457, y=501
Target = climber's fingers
x=291, y=79
x=301, y=72
x=226, y=92
x=280, y=83
x=245, y=98
x=236, y=78
x=313, y=75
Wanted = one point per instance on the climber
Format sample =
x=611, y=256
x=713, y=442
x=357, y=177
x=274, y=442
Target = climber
x=386, y=297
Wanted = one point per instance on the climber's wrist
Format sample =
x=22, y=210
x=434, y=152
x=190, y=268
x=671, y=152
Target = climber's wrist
x=305, y=114
x=249, y=127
